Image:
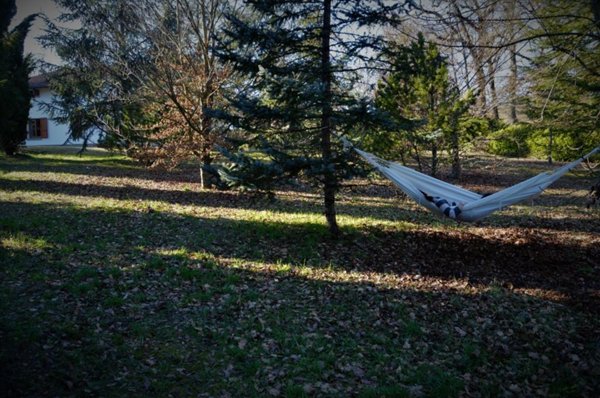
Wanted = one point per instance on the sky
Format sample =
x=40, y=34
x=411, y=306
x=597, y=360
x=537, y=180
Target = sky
x=27, y=7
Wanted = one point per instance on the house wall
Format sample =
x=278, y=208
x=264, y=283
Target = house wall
x=57, y=133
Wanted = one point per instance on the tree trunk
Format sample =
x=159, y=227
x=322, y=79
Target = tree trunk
x=596, y=11
x=455, y=148
x=205, y=160
x=207, y=122
x=417, y=157
x=513, y=84
x=492, y=75
x=434, y=159
x=456, y=168
x=481, y=99
x=329, y=181
x=550, y=144
x=466, y=65
x=202, y=184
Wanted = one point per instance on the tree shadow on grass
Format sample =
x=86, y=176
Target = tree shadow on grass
x=587, y=220
x=101, y=167
x=523, y=259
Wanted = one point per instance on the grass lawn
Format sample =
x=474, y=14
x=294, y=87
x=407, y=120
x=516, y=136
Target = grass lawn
x=119, y=281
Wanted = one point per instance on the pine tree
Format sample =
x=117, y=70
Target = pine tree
x=301, y=59
x=96, y=85
x=565, y=79
x=15, y=97
x=426, y=105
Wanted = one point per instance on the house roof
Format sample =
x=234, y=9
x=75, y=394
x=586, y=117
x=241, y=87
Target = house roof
x=39, y=81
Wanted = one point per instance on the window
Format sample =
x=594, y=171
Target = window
x=37, y=128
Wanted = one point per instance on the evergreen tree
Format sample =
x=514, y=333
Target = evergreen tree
x=419, y=95
x=96, y=86
x=15, y=97
x=302, y=59
x=563, y=96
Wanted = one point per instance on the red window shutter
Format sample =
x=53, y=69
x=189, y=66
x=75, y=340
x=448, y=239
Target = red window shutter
x=44, y=128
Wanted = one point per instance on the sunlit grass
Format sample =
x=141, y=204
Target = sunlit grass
x=212, y=212
x=71, y=153
x=22, y=242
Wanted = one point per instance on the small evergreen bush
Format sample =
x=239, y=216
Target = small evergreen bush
x=566, y=146
x=521, y=140
x=511, y=141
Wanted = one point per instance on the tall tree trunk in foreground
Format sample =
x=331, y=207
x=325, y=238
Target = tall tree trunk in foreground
x=329, y=182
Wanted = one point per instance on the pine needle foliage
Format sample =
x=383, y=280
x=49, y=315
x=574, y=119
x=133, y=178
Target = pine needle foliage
x=424, y=103
x=303, y=61
x=563, y=97
x=15, y=67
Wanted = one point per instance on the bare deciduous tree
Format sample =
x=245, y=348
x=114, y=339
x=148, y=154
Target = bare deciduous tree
x=185, y=81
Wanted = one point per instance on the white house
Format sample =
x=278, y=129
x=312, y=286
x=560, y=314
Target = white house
x=42, y=130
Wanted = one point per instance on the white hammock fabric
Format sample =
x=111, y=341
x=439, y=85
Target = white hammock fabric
x=458, y=203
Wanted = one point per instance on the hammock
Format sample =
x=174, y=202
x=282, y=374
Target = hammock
x=458, y=203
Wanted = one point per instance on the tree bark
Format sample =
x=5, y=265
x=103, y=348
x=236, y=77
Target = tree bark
x=596, y=11
x=206, y=125
x=480, y=76
x=455, y=148
x=434, y=159
x=513, y=84
x=477, y=54
x=205, y=160
x=329, y=180
x=492, y=77
x=550, y=146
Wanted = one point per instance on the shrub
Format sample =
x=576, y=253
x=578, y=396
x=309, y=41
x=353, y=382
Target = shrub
x=519, y=140
x=511, y=141
x=565, y=145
